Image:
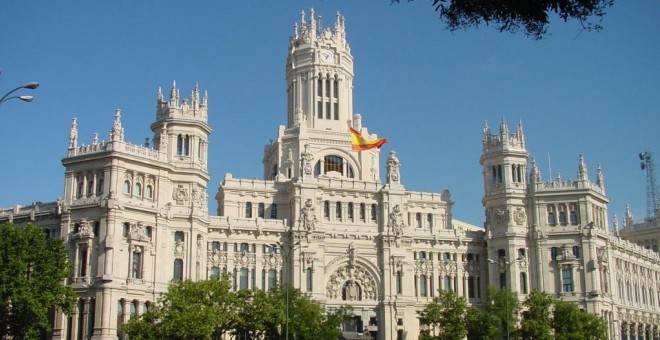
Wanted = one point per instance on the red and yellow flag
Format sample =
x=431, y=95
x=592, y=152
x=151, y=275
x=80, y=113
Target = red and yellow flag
x=361, y=144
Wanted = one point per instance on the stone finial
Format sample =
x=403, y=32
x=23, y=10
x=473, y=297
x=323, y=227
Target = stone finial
x=582, y=174
x=174, y=94
x=615, y=222
x=628, y=219
x=159, y=95
x=520, y=134
x=486, y=134
x=73, y=134
x=600, y=178
x=535, y=174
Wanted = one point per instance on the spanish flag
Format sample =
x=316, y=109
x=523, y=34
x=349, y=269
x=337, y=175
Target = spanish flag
x=361, y=144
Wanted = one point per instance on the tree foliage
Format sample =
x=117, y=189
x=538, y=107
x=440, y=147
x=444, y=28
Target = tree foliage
x=537, y=324
x=32, y=270
x=209, y=309
x=569, y=323
x=532, y=17
x=446, y=314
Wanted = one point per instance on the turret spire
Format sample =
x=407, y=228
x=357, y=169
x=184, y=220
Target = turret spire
x=628, y=219
x=504, y=130
x=582, y=170
x=535, y=174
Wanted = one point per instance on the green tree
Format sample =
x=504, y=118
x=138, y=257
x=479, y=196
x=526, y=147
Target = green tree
x=32, y=270
x=499, y=316
x=569, y=323
x=189, y=310
x=447, y=314
x=537, y=324
x=532, y=17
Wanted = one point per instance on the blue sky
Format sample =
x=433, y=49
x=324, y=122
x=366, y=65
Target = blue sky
x=426, y=89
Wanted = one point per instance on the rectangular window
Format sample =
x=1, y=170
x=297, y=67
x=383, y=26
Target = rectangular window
x=319, y=109
x=399, y=282
x=243, y=279
x=373, y=212
x=422, y=286
x=309, y=279
x=336, y=111
x=502, y=280
x=82, y=260
x=351, y=212
x=178, y=270
x=338, y=210
x=470, y=282
x=136, y=266
x=523, y=283
x=448, y=283
x=327, y=110
x=567, y=279
x=272, y=279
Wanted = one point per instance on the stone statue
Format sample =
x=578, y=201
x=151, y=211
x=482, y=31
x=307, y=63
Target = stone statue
x=392, y=168
x=308, y=216
x=307, y=159
x=395, y=223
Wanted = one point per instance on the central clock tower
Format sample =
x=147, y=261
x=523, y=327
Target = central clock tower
x=319, y=75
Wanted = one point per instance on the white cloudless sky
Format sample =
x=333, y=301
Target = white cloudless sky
x=428, y=90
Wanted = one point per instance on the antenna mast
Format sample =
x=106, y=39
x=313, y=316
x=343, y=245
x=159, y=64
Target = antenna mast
x=651, y=189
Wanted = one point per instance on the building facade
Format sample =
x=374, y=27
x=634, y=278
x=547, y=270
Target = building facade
x=325, y=220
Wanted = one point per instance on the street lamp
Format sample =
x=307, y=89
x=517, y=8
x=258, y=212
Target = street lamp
x=29, y=86
x=287, y=258
x=503, y=263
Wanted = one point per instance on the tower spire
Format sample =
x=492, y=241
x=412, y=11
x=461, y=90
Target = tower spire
x=628, y=219
x=520, y=135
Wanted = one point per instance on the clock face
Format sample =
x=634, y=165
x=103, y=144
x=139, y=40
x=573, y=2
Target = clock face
x=327, y=56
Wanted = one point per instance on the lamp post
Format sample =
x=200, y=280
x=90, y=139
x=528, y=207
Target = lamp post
x=287, y=259
x=30, y=86
x=503, y=263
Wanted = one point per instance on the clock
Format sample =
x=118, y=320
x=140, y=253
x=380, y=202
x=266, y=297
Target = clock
x=327, y=56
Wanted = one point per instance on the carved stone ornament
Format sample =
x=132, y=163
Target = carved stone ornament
x=499, y=216
x=307, y=159
x=84, y=230
x=308, y=216
x=180, y=194
x=519, y=216
x=351, y=283
x=138, y=232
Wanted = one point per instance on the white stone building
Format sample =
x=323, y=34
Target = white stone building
x=136, y=218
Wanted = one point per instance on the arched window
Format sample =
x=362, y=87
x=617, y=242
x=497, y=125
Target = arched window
x=335, y=88
x=127, y=186
x=137, y=191
x=351, y=291
x=576, y=251
x=90, y=186
x=99, y=187
x=178, y=270
x=273, y=210
x=327, y=86
x=373, y=212
x=423, y=291
x=429, y=220
x=338, y=210
x=552, y=219
x=261, y=211
x=418, y=220
x=333, y=163
x=81, y=187
x=362, y=211
x=573, y=214
x=134, y=309
x=562, y=214
x=179, y=145
x=248, y=210
x=186, y=145
x=215, y=246
x=149, y=192
x=350, y=211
